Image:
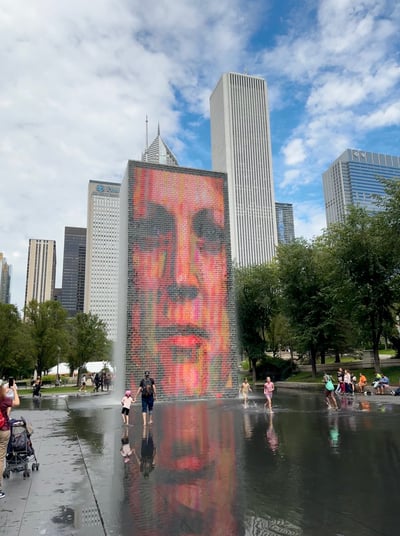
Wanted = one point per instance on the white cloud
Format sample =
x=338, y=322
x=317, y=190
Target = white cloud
x=290, y=178
x=386, y=116
x=347, y=66
x=77, y=83
x=309, y=220
x=294, y=152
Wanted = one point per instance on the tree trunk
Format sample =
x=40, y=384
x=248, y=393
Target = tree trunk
x=377, y=361
x=322, y=357
x=253, y=366
x=337, y=356
x=313, y=354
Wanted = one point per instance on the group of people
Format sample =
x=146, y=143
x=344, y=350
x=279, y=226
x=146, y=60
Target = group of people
x=101, y=381
x=8, y=399
x=349, y=384
x=269, y=388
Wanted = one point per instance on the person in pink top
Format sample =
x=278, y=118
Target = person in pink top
x=269, y=388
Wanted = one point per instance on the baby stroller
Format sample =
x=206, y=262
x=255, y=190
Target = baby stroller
x=20, y=450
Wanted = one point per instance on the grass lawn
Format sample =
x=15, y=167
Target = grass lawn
x=62, y=390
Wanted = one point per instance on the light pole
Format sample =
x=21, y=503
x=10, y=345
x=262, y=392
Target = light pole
x=58, y=365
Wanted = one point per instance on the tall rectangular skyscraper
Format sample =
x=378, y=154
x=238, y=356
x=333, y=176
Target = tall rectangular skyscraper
x=5, y=279
x=73, y=278
x=241, y=147
x=102, y=253
x=41, y=271
x=353, y=179
x=284, y=222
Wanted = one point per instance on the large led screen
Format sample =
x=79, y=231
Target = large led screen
x=181, y=312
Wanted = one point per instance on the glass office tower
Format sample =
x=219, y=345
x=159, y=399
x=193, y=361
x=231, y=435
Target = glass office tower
x=73, y=277
x=353, y=179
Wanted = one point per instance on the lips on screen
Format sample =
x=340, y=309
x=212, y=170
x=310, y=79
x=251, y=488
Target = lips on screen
x=180, y=321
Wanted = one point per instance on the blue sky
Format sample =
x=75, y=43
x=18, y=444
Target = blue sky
x=78, y=79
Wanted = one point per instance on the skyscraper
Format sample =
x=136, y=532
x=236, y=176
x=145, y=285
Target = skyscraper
x=353, y=179
x=158, y=152
x=73, y=277
x=5, y=279
x=284, y=222
x=241, y=146
x=102, y=253
x=41, y=271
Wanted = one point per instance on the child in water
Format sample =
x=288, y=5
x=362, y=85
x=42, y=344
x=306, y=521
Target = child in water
x=126, y=406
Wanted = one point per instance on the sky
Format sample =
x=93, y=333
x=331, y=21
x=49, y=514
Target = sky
x=78, y=79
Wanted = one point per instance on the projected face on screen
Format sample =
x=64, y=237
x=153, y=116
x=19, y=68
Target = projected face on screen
x=179, y=257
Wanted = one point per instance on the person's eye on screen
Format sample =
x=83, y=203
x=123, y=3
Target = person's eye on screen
x=210, y=235
x=154, y=230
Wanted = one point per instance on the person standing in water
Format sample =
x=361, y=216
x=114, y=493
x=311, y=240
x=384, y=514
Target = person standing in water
x=126, y=403
x=269, y=388
x=148, y=389
x=244, y=390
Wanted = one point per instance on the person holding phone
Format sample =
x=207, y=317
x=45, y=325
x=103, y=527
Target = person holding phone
x=6, y=403
x=10, y=384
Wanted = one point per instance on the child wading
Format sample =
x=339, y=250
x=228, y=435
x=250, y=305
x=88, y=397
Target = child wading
x=126, y=406
x=244, y=390
x=269, y=388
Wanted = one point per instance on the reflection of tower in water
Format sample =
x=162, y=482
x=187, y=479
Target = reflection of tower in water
x=193, y=488
x=177, y=310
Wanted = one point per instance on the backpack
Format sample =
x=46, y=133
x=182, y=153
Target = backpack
x=147, y=387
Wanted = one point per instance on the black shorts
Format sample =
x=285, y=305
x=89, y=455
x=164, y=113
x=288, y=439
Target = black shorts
x=125, y=411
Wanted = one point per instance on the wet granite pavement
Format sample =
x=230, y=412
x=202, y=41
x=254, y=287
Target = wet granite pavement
x=214, y=468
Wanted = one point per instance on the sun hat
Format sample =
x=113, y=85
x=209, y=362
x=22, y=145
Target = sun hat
x=127, y=393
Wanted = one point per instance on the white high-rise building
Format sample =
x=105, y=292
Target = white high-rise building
x=241, y=147
x=40, y=271
x=158, y=152
x=102, y=253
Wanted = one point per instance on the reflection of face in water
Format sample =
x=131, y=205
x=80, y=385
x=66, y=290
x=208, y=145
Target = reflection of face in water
x=179, y=315
x=201, y=459
x=194, y=484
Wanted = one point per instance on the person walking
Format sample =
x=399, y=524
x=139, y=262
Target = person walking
x=6, y=403
x=126, y=406
x=269, y=388
x=244, y=390
x=83, y=383
x=148, y=389
x=348, y=386
x=329, y=392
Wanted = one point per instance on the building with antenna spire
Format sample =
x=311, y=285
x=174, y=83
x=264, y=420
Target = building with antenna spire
x=158, y=151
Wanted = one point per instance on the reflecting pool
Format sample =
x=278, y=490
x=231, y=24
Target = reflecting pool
x=216, y=468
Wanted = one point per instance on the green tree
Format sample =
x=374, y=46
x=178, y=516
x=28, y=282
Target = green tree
x=306, y=300
x=367, y=265
x=257, y=297
x=46, y=324
x=10, y=325
x=88, y=341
